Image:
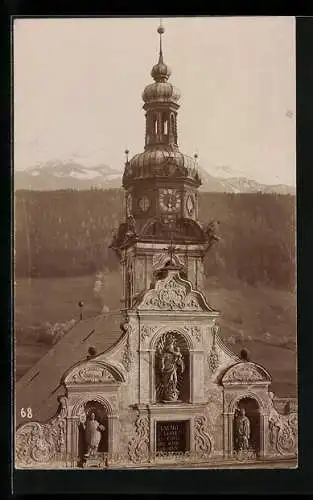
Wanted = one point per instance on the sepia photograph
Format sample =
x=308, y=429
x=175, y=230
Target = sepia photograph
x=155, y=312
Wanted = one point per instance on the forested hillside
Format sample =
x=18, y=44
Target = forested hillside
x=67, y=233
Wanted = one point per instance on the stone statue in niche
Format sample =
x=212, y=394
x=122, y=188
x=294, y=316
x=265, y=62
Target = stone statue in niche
x=242, y=431
x=93, y=435
x=171, y=362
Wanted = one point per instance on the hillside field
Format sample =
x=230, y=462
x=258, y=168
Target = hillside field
x=259, y=318
x=62, y=242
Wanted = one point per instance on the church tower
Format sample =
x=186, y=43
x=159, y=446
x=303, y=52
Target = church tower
x=161, y=197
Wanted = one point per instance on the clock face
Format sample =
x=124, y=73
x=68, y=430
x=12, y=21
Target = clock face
x=169, y=200
x=190, y=205
x=144, y=203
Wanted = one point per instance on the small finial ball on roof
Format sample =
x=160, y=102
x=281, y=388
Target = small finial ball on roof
x=161, y=30
x=92, y=351
x=80, y=303
x=195, y=156
x=244, y=355
x=126, y=151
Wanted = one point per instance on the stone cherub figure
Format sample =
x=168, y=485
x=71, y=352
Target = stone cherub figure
x=242, y=431
x=171, y=362
x=93, y=435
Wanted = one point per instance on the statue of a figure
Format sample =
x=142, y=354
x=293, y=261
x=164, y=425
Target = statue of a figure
x=211, y=230
x=93, y=431
x=242, y=431
x=171, y=361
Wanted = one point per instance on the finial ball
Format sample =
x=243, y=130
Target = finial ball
x=195, y=156
x=161, y=30
x=126, y=151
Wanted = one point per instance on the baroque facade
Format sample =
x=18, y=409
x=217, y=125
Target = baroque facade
x=168, y=391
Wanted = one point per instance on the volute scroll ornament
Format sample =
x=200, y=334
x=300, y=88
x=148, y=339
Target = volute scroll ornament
x=37, y=443
x=283, y=430
x=138, y=446
x=203, y=444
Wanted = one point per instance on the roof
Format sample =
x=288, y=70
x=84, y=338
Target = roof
x=39, y=387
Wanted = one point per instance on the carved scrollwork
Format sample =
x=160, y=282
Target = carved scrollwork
x=194, y=331
x=213, y=359
x=91, y=374
x=37, y=443
x=138, y=446
x=283, y=431
x=203, y=444
x=127, y=357
x=173, y=294
x=243, y=373
x=159, y=260
x=147, y=331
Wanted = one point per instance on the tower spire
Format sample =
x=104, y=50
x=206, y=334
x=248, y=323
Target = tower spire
x=161, y=31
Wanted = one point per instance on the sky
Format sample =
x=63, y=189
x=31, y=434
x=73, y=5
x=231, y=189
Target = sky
x=78, y=85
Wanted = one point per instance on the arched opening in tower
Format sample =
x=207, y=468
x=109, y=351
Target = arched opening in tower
x=172, y=369
x=165, y=124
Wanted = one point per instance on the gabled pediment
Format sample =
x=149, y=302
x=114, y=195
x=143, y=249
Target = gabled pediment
x=245, y=373
x=92, y=372
x=173, y=293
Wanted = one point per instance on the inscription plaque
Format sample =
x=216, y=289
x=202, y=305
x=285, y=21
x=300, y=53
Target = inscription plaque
x=172, y=436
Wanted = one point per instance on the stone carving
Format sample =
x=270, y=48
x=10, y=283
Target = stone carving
x=203, y=445
x=213, y=358
x=91, y=374
x=93, y=435
x=160, y=260
x=194, y=331
x=173, y=294
x=243, y=373
x=242, y=431
x=147, y=331
x=38, y=444
x=138, y=446
x=283, y=430
x=127, y=354
x=171, y=362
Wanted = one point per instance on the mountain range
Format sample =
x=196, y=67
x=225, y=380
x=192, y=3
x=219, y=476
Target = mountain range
x=58, y=174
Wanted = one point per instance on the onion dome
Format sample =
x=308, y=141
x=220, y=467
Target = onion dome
x=161, y=90
x=161, y=162
x=161, y=72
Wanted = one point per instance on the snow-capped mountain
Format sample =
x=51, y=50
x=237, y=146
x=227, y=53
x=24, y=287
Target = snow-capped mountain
x=55, y=175
x=66, y=175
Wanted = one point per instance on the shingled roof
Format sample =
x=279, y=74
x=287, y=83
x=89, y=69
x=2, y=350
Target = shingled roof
x=39, y=388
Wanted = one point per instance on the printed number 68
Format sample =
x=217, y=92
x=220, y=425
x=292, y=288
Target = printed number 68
x=28, y=413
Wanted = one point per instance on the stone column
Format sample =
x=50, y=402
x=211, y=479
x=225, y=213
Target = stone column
x=113, y=434
x=192, y=381
x=74, y=439
x=228, y=435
